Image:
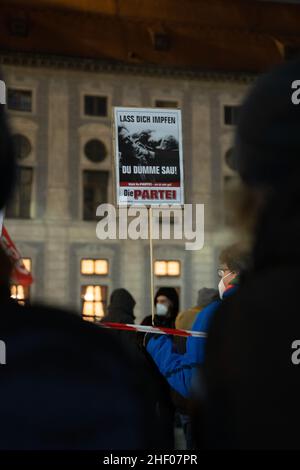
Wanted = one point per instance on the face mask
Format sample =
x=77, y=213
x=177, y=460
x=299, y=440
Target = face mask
x=161, y=309
x=222, y=286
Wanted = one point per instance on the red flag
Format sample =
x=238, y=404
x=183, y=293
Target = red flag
x=20, y=274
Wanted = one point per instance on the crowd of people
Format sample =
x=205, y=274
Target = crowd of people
x=69, y=384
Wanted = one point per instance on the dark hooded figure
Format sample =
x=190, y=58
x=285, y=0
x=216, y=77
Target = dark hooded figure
x=67, y=383
x=120, y=309
x=252, y=376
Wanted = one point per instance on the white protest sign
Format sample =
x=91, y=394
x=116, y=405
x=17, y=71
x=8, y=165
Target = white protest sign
x=148, y=156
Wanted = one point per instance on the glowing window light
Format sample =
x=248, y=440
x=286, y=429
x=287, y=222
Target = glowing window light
x=173, y=268
x=167, y=268
x=91, y=267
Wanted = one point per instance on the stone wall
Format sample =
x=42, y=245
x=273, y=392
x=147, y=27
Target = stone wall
x=56, y=237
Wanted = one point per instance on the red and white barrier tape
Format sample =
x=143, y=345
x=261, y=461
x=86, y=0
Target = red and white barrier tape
x=152, y=329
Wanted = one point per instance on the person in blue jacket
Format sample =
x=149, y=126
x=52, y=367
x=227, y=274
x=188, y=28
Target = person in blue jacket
x=180, y=369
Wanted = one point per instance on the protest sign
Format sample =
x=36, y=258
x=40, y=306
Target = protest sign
x=148, y=156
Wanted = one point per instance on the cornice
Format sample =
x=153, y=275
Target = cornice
x=114, y=67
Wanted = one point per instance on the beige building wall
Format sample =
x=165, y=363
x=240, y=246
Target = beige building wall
x=56, y=237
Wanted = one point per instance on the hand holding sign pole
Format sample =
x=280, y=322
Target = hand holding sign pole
x=148, y=162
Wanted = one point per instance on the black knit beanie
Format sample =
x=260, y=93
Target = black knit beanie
x=172, y=295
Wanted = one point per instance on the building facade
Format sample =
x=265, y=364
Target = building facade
x=60, y=114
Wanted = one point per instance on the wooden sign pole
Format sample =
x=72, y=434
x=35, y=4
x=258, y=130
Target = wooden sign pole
x=151, y=263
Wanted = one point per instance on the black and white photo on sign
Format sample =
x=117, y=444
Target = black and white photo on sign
x=148, y=155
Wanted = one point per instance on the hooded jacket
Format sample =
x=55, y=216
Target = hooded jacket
x=120, y=309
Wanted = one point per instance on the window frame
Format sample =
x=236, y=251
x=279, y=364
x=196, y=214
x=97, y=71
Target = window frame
x=28, y=157
x=26, y=258
x=103, y=94
x=33, y=100
x=98, y=140
x=169, y=276
x=26, y=299
x=228, y=105
x=155, y=100
x=17, y=188
x=91, y=170
x=94, y=275
x=104, y=304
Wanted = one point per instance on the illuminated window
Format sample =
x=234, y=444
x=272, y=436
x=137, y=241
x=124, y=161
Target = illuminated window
x=27, y=263
x=19, y=292
x=167, y=268
x=91, y=267
x=94, y=299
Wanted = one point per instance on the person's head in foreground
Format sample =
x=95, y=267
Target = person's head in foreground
x=267, y=145
x=252, y=373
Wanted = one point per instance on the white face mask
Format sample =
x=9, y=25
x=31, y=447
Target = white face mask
x=161, y=309
x=222, y=286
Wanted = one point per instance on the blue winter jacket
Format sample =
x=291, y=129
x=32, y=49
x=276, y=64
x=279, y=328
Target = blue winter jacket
x=179, y=369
